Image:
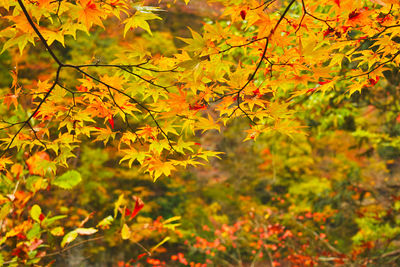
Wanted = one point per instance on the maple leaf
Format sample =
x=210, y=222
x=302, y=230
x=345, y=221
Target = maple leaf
x=89, y=14
x=253, y=133
x=132, y=155
x=157, y=167
x=52, y=36
x=206, y=124
x=139, y=19
x=12, y=98
x=197, y=106
x=104, y=134
x=358, y=17
x=197, y=43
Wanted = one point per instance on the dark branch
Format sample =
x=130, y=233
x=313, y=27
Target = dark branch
x=28, y=17
x=26, y=122
x=252, y=76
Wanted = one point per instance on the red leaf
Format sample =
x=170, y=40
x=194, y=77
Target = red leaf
x=20, y=236
x=398, y=119
x=115, y=3
x=141, y=256
x=17, y=252
x=111, y=121
x=127, y=212
x=243, y=14
x=197, y=106
x=324, y=82
x=372, y=81
x=337, y=2
x=41, y=217
x=382, y=19
x=328, y=31
x=257, y=92
x=138, y=206
x=35, y=244
x=81, y=88
x=91, y=5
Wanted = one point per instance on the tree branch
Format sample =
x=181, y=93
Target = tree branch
x=28, y=17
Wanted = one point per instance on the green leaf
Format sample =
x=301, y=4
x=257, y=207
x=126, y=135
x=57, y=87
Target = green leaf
x=51, y=220
x=169, y=222
x=5, y=210
x=140, y=20
x=34, y=183
x=195, y=44
x=68, y=238
x=35, y=212
x=34, y=232
x=68, y=180
x=106, y=222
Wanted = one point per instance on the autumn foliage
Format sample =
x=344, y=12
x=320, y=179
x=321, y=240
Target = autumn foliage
x=199, y=133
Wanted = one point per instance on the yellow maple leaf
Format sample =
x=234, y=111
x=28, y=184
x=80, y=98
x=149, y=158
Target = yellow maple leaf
x=139, y=19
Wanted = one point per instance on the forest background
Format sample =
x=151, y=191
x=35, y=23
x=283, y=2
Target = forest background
x=199, y=133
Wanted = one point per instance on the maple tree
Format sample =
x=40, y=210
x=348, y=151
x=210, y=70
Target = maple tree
x=261, y=62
